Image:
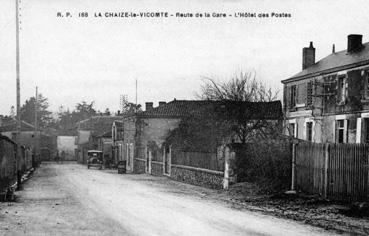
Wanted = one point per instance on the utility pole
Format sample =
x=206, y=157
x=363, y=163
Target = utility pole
x=136, y=97
x=36, y=110
x=17, y=68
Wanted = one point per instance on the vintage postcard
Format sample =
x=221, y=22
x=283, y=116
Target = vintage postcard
x=186, y=117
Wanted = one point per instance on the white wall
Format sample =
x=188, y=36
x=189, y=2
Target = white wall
x=66, y=144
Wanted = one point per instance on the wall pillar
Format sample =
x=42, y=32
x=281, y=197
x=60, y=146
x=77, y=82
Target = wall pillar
x=227, y=155
x=293, y=174
x=358, y=130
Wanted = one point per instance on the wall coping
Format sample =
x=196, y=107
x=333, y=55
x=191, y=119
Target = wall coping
x=215, y=172
x=157, y=162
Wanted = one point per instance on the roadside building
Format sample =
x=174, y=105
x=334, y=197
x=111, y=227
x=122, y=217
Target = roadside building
x=117, y=140
x=146, y=132
x=328, y=101
x=42, y=143
x=105, y=144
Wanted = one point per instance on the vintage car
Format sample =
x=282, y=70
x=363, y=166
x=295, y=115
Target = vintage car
x=95, y=159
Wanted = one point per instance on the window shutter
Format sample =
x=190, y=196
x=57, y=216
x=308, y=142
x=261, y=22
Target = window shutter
x=288, y=96
x=336, y=87
x=309, y=93
x=354, y=86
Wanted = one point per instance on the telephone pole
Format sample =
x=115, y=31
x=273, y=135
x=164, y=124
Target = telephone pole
x=36, y=110
x=136, y=98
x=17, y=68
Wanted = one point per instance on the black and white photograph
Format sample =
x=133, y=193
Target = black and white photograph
x=169, y=117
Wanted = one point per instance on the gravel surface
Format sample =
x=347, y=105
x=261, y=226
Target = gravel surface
x=71, y=200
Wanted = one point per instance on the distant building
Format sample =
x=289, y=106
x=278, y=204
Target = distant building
x=8, y=124
x=328, y=101
x=41, y=142
x=89, y=133
x=67, y=144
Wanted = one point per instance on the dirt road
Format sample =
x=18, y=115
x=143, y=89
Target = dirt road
x=71, y=200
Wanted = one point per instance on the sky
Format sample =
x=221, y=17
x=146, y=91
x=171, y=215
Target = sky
x=74, y=59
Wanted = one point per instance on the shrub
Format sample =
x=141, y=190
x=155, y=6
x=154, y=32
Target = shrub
x=266, y=163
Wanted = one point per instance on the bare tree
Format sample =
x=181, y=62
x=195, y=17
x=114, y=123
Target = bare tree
x=242, y=87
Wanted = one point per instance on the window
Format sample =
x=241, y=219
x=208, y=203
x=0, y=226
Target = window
x=293, y=130
x=342, y=87
x=309, y=131
x=341, y=131
x=293, y=96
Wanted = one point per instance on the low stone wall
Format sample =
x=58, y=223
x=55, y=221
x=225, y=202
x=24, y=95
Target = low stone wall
x=139, y=166
x=157, y=168
x=197, y=176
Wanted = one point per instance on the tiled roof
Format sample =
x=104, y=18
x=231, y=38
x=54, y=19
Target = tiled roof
x=7, y=139
x=249, y=110
x=334, y=62
x=98, y=123
x=10, y=124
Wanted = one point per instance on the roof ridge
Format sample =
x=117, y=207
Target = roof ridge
x=333, y=62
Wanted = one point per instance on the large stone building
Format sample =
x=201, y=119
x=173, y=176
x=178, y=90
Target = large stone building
x=328, y=101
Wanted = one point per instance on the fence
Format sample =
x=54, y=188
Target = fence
x=205, y=160
x=198, y=168
x=334, y=171
x=8, y=168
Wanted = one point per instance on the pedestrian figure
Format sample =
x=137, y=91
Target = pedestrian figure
x=57, y=158
x=62, y=157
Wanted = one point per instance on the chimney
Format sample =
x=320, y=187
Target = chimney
x=162, y=103
x=333, y=49
x=354, y=42
x=308, y=56
x=149, y=106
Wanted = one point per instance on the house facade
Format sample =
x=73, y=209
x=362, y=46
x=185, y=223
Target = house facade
x=328, y=101
x=144, y=135
x=117, y=140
